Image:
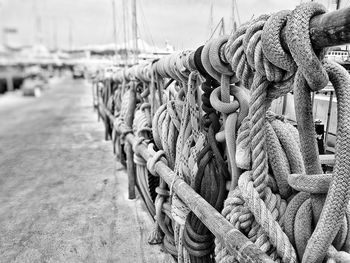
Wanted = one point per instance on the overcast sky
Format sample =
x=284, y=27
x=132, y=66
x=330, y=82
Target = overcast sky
x=185, y=23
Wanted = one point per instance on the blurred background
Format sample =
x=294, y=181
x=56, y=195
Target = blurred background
x=51, y=37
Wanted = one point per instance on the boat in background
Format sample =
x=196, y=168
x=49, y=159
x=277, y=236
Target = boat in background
x=340, y=56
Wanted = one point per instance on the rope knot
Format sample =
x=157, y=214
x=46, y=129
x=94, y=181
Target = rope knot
x=154, y=159
x=299, y=43
x=138, y=141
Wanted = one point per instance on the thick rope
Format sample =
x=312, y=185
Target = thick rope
x=338, y=196
x=250, y=38
x=266, y=147
x=190, y=141
x=209, y=183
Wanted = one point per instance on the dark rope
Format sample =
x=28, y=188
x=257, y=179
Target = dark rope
x=209, y=182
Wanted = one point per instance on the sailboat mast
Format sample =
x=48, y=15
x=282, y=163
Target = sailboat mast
x=124, y=29
x=114, y=31
x=38, y=25
x=54, y=34
x=233, y=20
x=337, y=4
x=70, y=34
x=211, y=18
x=223, y=32
x=134, y=31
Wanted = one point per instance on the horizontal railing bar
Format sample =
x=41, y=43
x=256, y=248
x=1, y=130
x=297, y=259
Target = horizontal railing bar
x=326, y=30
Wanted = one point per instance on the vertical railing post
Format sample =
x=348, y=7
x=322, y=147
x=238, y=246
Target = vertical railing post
x=129, y=119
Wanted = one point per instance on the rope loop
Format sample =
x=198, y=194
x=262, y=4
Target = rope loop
x=211, y=117
x=138, y=141
x=271, y=41
x=223, y=107
x=330, y=224
x=153, y=160
x=206, y=61
x=299, y=43
x=221, y=67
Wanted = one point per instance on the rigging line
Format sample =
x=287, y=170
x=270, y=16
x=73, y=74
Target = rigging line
x=141, y=37
x=146, y=27
x=119, y=23
x=124, y=30
x=114, y=31
x=216, y=28
x=105, y=32
x=237, y=13
x=128, y=23
x=211, y=15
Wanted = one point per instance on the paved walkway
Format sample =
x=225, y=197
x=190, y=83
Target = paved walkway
x=62, y=198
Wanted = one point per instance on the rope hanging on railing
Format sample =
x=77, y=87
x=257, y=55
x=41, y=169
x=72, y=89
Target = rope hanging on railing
x=208, y=111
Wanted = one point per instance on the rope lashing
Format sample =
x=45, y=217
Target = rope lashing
x=146, y=182
x=156, y=236
x=148, y=192
x=227, y=139
x=118, y=139
x=152, y=161
x=129, y=118
x=105, y=90
x=198, y=62
x=110, y=105
x=205, y=59
x=163, y=214
x=216, y=59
